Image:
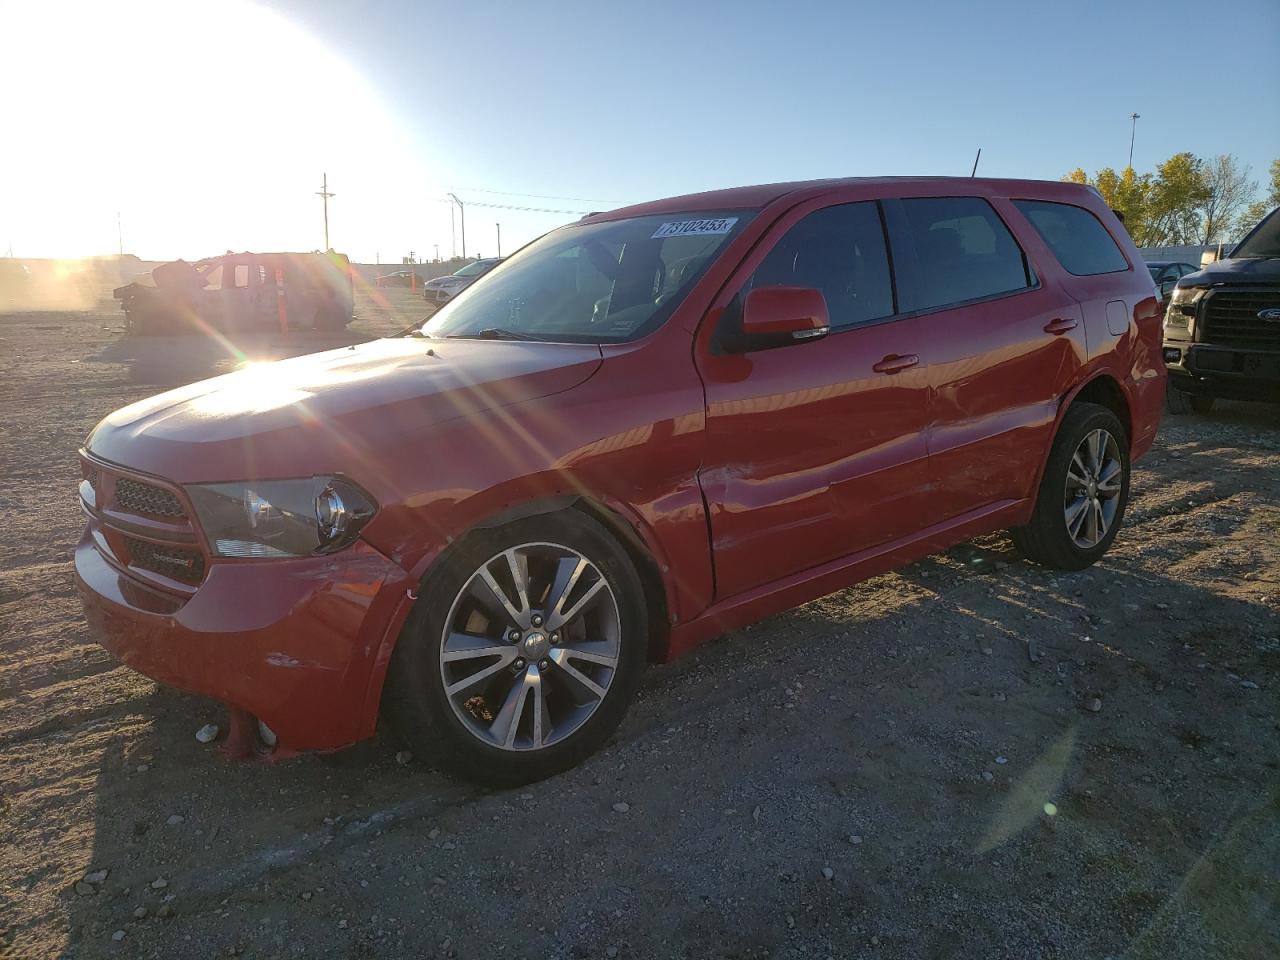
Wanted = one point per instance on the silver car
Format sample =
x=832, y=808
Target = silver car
x=446, y=288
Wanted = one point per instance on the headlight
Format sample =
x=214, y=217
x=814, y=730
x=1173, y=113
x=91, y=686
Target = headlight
x=281, y=518
x=1182, y=307
x=1186, y=298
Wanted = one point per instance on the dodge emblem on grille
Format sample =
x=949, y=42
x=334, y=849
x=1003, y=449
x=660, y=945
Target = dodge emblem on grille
x=1269, y=315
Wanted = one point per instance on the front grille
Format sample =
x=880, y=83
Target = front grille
x=185, y=565
x=89, y=472
x=1231, y=319
x=138, y=497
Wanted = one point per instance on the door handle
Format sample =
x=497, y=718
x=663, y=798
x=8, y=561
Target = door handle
x=895, y=363
x=1060, y=326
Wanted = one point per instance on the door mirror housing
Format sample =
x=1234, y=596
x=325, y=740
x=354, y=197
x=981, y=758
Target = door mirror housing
x=780, y=316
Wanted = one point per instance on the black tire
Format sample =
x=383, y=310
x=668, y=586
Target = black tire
x=1176, y=402
x=1046, y=539
x=1201, y=403
x=415, y=702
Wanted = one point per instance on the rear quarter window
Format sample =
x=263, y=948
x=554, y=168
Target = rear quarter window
x=1082, y=244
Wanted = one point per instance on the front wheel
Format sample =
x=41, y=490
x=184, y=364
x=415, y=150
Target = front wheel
x=1083, y=493
x=523, y=651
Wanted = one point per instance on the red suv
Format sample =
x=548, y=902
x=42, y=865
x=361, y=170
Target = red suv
x=644, y=429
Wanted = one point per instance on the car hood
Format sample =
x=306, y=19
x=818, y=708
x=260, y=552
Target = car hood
x=331, y=412
x=1245, y=270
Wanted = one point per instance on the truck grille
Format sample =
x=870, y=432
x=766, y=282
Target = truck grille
x=175, y=562
x=1231, y=318
x=138, y=497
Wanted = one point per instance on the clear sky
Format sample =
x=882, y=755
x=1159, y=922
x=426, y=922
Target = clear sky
x=208, y=125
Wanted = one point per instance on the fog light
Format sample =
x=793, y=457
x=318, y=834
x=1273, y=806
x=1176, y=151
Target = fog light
x=1172, y=355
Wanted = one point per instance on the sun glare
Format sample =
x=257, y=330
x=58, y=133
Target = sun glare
x=205, y=125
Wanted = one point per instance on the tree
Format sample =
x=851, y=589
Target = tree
x=1227, y=191
x=1186, y=200
x=1177, y=192
x=1260, y=208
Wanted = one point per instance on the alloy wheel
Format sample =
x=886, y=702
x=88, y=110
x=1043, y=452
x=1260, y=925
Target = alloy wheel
x=1095, y=479
x=530, y=646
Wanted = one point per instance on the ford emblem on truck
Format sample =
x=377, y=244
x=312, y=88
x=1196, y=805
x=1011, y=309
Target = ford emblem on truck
x=1269, y=315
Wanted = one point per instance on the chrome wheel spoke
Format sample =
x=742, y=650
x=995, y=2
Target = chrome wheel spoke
x=470, y=682
x=575, y=677
x=518, y=564
x=560, y=618
x=568, y=571
x=1076, y=516
x=506, y=724
x=1109, y=478
x=467, y=646
x=493, y=599
x=1095, y=441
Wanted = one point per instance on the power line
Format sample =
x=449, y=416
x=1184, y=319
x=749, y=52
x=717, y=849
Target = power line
x=538, y=196
x=510, y=206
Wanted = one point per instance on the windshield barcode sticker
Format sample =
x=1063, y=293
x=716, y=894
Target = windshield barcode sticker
x=695, y=228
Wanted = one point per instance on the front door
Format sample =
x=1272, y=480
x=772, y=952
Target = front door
x=815, y=450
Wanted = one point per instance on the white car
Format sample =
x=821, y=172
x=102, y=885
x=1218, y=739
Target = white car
x=446, y=288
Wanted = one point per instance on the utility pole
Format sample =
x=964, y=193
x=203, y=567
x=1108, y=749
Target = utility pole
x=499, y=227
x=437, y=246
x=324, y=193
x=1133, y=132
x=462, y=220
x=120, y=234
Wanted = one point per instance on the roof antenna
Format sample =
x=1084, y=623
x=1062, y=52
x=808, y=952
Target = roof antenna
x=974, y=171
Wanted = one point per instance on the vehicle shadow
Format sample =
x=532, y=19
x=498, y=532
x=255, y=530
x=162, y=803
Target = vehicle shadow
x=1162, y=835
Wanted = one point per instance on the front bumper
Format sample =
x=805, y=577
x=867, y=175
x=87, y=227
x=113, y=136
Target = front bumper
x=294, y=642
x=1236, y=373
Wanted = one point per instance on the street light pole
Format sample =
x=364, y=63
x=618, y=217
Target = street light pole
x=1133, y=132
x=462, y=222
x=499, y=227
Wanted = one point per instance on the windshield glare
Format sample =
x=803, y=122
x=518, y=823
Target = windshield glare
x=597, y=282
x=1264, y=241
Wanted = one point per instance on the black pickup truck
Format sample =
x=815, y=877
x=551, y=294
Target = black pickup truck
x=1222, y=328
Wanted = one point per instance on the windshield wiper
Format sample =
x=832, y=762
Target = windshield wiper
x=493, y=333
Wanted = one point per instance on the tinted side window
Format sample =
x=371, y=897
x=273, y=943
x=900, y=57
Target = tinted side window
x=1081, y=244
x=963, y=251
x=841, y=251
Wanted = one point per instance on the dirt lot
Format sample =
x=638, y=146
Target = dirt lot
x=973, y=757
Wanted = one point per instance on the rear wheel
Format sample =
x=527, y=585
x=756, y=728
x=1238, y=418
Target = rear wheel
x=523, y=651
x=1083, y=494
x=1180, y=401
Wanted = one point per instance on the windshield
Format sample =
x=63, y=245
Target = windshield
x=1264, y=241
x=597, y=282
x=474, y=269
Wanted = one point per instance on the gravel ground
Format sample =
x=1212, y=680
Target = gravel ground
x=971, y=757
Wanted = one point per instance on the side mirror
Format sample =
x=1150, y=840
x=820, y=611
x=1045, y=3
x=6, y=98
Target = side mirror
x=780, y=316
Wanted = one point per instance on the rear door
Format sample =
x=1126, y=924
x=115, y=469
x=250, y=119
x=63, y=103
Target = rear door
x=815, y=450
x=1004, y=346
x=1089, y=262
